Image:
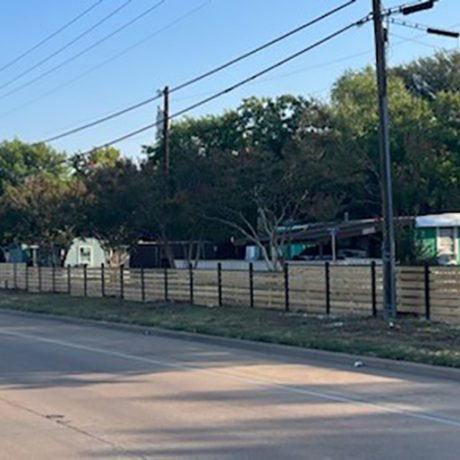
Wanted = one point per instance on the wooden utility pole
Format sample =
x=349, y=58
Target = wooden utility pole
x=166, y=159
x=388, y=247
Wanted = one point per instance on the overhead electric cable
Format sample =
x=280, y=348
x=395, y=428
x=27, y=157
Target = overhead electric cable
x=50, y=36
x=236, y=85
x=110, y=59
x=66, y=46
x=263, y=47
x=84, y=51
x=204, y=75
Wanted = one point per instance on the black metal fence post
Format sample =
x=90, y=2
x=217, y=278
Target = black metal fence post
x=85, y=280
x=374, y=289
x=219, y=283
x=39, y=278
x=427, y=292
x=53, y=278
x=142, y=284
x=122, y=281
x=327, y=273
x=190, y=269
x=102, y=280
x=251, y=285
x=69, y=280
x=166, y=284
x=286, y=287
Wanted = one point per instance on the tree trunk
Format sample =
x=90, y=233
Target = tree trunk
x=168, y=251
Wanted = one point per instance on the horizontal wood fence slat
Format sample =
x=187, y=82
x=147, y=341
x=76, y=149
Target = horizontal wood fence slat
x=433, y=292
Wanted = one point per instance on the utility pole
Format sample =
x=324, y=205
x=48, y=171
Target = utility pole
x=166, y=159
x=388, y=247
x=381, y=37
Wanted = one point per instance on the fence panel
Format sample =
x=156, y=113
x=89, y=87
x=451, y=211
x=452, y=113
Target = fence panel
x=77, y=281
x=410, y=288
x=7, y=276
x=444, y=292
x=308, y=288
x=111, y=282
x=236, y=288
x=179, y=285
x=205, y=284
x=47, y=279
x=351, y=289
x=59, y=280
x=269, y=290
x=93, y=282
x=132, y=286
x=154, y=285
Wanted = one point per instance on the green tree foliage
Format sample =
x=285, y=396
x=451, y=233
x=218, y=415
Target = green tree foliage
x=428, y=76
x=19, y=160
x=85, y=164
x=423, y=145
x=248, y=172
x=42, y=211
x=269, y=163
x=113, y=194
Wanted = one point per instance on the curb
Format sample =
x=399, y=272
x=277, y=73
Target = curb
x=317, y=357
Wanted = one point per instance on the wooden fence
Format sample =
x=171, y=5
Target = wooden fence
x=433, y=292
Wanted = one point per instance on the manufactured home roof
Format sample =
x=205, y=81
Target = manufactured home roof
x=438, y=220
x=342, y=230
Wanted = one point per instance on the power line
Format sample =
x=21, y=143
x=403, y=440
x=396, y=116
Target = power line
x=85, y=50
x=111, y=59
x=235, y=86
x=50, y=37
x=415, y=40
x=402, y=40
x=66, y=46
x=204, y=75
x=263, y=47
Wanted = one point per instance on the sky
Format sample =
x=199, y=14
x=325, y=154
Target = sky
x=173, y=43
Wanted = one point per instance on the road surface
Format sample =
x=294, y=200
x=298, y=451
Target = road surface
x=72, y=391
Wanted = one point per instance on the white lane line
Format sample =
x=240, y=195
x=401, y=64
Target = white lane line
x=269, y=384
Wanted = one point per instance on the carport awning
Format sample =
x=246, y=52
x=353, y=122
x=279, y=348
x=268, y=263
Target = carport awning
x=341, y=230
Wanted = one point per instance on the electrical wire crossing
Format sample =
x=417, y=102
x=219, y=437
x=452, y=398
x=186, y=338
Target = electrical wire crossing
x=51, y=36
x=205, y=75
x=235, y=86
x=66, y=45
x=85, y=50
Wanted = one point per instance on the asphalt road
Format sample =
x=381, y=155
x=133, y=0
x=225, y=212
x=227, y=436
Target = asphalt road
x=84, y=392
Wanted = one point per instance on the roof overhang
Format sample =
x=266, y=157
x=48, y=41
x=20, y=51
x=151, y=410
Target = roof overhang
x=438, y=220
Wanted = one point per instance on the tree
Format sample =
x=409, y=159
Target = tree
x=414, y=156
x=428, y=76
x=85, y=164
x=262, y=191
x=113, y=195
x=19, y=160
x=42, y=211
x=249, y=172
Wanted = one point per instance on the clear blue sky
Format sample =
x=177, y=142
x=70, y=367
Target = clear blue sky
x=209, y=33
